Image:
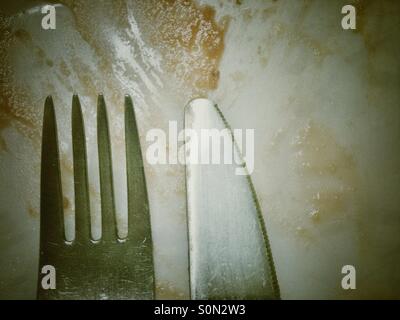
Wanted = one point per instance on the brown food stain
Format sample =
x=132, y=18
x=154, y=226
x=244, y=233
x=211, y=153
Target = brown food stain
x=33, y=213
x=330, y=171
x=325, y=179
x=321, y=154
x=16, y=109
x=15, y=112
x=187, y=35
x=190, y=39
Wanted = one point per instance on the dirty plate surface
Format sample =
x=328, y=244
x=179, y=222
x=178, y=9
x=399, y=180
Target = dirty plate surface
x=323, y=102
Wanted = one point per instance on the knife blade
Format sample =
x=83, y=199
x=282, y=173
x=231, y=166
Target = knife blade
x=230, y=255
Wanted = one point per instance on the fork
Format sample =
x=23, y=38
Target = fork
x=110, y=268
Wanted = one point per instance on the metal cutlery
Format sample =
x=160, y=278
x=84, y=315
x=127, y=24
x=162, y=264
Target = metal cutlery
x=110, y=268
x=230, y=255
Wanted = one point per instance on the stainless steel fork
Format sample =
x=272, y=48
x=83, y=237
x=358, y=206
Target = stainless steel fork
x=110, y=268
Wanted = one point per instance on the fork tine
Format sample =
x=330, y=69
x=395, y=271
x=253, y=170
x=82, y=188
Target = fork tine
x=82, y=207
x=139, y=228
x=51, y=203
x=109, y=229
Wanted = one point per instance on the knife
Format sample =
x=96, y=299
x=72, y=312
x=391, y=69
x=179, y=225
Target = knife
x=229, y=251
